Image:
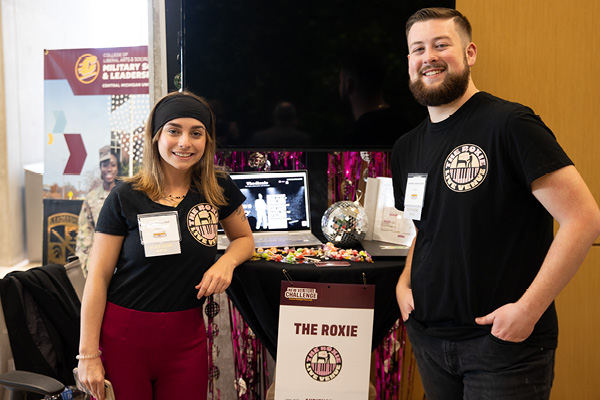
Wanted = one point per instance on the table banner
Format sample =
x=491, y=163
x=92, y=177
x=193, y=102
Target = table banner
x=324, y=341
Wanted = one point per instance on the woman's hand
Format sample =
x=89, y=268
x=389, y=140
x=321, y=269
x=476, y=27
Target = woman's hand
x=216, y=279
x=91, y=375
x=241, y=247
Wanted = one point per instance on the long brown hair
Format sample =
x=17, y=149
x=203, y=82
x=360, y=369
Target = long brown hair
x=150, y=179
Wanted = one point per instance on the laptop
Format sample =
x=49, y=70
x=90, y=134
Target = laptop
x=278, y=208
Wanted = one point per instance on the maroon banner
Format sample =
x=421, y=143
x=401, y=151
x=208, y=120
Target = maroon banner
x=107, y=71
x=333, y=295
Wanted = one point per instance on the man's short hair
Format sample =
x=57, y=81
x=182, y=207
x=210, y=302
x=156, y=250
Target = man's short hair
x=426, y=14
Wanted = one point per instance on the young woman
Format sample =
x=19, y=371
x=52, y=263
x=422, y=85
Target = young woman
x=153, y=261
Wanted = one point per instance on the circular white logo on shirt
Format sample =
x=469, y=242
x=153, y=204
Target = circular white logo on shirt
x=202, y=222
x=465, y=168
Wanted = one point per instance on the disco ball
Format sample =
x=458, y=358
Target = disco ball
x=345, y=223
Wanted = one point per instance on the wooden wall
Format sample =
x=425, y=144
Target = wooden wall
x=543, y=53
x=578, y=355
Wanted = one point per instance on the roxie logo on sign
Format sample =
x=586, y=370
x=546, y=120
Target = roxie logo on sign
x=323, y=363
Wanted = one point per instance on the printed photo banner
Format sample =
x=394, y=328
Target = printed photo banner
x=93, y=98
x=96, y=102
x=324, y=341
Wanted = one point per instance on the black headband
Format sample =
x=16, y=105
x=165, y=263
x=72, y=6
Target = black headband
x=181, y=106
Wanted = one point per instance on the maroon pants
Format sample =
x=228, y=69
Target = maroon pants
x=156, y=356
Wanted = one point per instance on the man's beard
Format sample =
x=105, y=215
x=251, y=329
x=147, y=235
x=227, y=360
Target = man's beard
x=453, y=87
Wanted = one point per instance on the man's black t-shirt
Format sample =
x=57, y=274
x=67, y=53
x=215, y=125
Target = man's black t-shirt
x=482, y=236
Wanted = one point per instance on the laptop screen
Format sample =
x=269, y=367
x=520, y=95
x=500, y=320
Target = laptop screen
x=275, y=200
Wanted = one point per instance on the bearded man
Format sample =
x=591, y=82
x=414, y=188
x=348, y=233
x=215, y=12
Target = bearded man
x=483, y=179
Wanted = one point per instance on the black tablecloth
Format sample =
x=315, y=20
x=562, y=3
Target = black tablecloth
x=256, y=286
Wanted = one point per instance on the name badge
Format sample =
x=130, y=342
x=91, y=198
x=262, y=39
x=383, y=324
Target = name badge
x=159, y=233
x=415, y=195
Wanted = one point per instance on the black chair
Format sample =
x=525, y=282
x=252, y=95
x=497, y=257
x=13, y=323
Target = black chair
x=20, y=383
x=16, y=384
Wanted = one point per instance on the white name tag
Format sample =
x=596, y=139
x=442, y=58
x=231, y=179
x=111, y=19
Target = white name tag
x=159, y=233
x=415, y=195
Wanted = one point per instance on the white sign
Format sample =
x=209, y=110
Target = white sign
x=324, y=341
x=386, y=223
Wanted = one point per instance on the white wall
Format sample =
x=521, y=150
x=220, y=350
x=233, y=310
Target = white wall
x=29, y=27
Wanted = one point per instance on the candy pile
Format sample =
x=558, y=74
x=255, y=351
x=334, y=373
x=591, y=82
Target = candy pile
x=305, y=255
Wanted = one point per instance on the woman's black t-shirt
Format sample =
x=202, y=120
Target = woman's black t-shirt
x=163, y=283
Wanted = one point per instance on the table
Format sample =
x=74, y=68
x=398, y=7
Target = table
x=256, y=286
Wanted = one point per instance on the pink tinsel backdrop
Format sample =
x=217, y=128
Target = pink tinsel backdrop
x=347, y=173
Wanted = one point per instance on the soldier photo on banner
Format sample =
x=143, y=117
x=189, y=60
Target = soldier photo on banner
x=96, y=102
x=110, y=170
